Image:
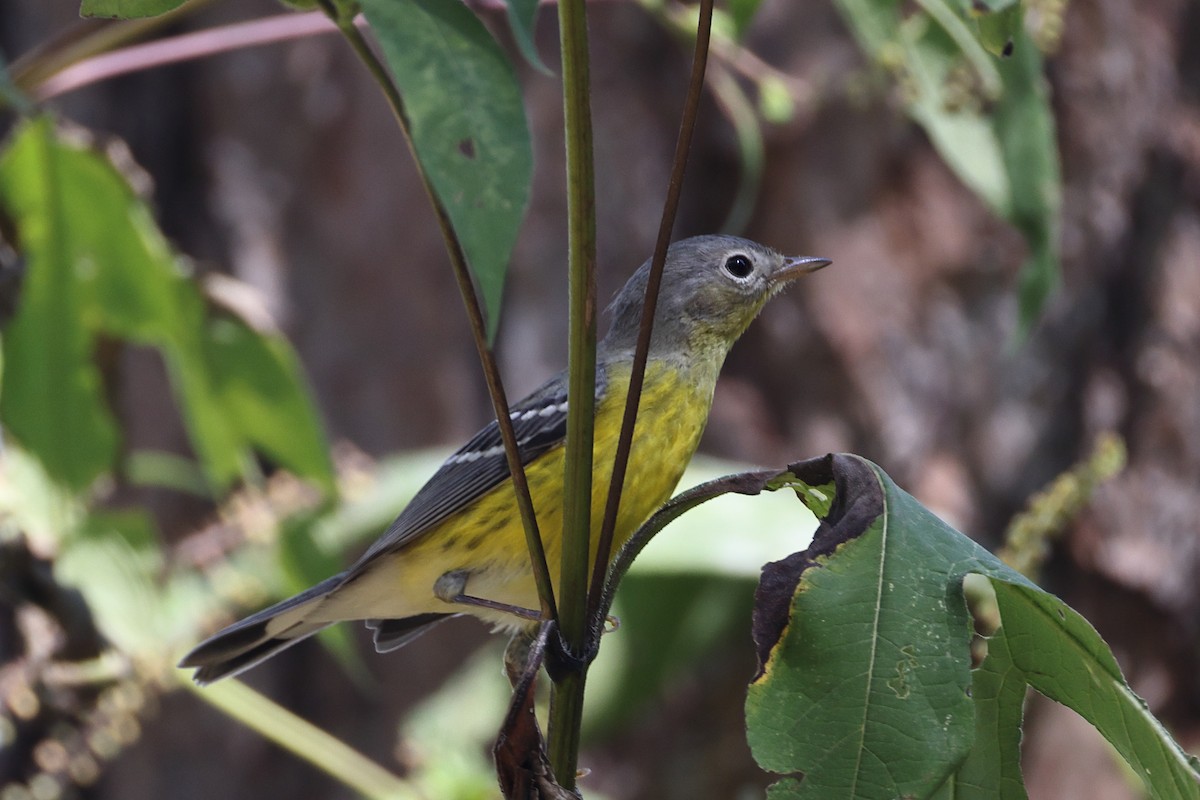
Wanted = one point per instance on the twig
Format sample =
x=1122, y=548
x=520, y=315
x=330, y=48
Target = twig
x=87, y=39
x=674, y=189
x=185, y=47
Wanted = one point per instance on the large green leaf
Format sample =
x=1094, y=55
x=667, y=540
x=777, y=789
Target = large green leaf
x=53, y=398
x=863, y=639
x=99, y=267
x=127, y=9
x=865, y=688
x=468, y=127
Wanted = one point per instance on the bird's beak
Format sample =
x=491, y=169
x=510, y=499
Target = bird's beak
x=795, y=266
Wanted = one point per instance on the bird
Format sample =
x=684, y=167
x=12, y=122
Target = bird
x=459, y=545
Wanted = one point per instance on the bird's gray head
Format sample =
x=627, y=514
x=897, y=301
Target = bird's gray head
x=712, y=288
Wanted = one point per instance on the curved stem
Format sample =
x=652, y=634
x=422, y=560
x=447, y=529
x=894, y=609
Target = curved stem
x=89, y=40
x=74, y=71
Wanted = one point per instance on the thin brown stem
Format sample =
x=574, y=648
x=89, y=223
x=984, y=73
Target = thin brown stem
x=641, y=352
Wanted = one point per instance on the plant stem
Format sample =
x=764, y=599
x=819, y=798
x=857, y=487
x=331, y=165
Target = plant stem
x=466, y=288
x=67, y=75
x=621, y=459
x=306, y=740
x=566, y=701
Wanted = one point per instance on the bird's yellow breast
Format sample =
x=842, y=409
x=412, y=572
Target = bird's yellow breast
x=487, y=539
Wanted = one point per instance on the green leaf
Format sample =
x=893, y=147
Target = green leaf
x=99, y=267
x=1057, y=652
x=127, y=9
x=468, y=127
x=998, y=32
x=53, y=399
x=993, y=767
x=214, y=434
x=965, y=42
x=522, y=18
x=960, y=131
x=999, y=136
x=261, y=390
x=865, y=688
x=860, y=688
x=1025, y=129
x=743, y=12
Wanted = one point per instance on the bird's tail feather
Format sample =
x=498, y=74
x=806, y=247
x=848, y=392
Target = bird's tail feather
x=258, y=637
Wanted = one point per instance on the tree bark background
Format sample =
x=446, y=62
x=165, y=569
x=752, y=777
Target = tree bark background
x=282, y=166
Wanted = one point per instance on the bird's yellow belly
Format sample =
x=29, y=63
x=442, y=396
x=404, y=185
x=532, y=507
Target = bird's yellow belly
x=487, y=540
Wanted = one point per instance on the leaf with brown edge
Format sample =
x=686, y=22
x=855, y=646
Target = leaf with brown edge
x=866, y=688
x=813, y=479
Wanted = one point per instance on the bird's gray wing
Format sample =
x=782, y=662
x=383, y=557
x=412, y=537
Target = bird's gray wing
x=540, y=424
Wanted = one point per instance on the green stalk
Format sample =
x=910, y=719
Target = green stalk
x=566, y=699
x=327, y=753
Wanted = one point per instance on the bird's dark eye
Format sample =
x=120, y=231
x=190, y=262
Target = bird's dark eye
x=738, y=266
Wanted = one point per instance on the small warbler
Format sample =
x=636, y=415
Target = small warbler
x=459, y=546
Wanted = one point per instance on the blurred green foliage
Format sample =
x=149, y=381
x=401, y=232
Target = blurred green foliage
x=988, y=116
x=101, y=275
x=99, y=270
